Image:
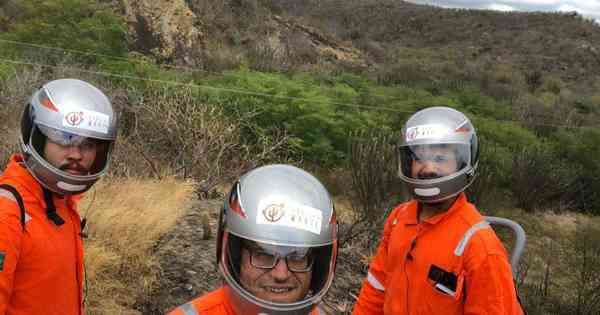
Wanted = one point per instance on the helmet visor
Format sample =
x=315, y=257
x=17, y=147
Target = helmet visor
x=431, y=161
x=65, y=138
x=102, y=148
x=266, y=256
x=243, y=255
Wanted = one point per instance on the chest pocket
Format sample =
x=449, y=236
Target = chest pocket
x=448, y=284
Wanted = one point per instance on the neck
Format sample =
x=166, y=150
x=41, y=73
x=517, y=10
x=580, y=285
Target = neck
x=428, y=210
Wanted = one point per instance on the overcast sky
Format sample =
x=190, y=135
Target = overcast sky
x=587, y=8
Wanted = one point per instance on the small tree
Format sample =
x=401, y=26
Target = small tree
x=584, y=257
x=194, y=140
x=373, y=165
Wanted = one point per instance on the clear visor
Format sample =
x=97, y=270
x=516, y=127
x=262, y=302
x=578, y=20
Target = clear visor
x=65, y=138
x=318, y=260
x=101, y=148
x=431, y=161
x=267, y=256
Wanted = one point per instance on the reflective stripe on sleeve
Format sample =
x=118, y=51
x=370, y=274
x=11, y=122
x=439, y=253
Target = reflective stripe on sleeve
x=7, y=194
x=470, y=232
x=374, y=282
x=188, y=309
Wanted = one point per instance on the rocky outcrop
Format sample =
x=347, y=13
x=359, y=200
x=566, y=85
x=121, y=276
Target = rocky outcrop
x=172, y=32
x=165, y=28
x=326, y=47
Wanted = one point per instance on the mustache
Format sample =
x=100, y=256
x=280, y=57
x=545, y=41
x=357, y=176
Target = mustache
x=429, y=175
x=74, y=166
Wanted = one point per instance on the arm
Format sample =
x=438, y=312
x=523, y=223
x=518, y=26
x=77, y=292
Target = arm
x=10, y=248
x=372, y=294
x=490, y=286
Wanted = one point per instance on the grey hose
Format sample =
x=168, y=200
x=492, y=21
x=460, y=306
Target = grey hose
x=520, y=239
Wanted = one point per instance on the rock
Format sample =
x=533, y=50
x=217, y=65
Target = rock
x=165, y=28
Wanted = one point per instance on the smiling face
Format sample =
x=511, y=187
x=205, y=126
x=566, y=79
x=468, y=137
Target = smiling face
x=278, y=284
x=73, y=159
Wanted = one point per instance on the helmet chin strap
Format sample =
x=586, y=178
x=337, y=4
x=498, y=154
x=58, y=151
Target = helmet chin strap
x=51, y=209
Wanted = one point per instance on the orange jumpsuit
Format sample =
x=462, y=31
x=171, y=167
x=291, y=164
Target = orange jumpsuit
x=460, y=244
x=41, y=268
x=212, y=303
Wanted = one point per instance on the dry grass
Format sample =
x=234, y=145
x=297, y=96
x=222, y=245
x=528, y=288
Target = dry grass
x=126, y=218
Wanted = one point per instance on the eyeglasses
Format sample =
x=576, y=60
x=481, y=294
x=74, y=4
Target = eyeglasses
x=295, y=261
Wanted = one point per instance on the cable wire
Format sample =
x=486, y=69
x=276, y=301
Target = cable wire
x=254, y=93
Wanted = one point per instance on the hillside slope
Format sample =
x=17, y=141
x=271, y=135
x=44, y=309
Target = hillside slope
x=367, y=35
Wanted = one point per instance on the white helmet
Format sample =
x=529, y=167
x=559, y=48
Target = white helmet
x=284, y=210
x=435, y=127
x=67, y=111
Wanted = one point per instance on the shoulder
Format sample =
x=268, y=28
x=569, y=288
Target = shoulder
x=483, y=246
x=468, y=215
x=8, y=205
x=401, y=211
x=482, y=240
x=210, y=302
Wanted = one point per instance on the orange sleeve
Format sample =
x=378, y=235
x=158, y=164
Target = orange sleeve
x=10, y=248
x=176, y=311
x=372, y=294
x=490, y=288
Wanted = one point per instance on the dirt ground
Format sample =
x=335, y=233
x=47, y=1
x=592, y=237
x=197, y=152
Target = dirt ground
x=188, y=266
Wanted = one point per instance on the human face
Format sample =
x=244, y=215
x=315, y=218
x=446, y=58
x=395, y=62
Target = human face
x=433, y=161
x=277, y=284
x=73, y=159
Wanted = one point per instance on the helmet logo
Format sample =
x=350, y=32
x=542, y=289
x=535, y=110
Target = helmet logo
x=274, y=212
x=88, y=120
x=426, y=132
x=74, y=118
x=282, y=212
x=411, y=134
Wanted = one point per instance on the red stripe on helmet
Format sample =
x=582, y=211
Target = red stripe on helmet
x=46, y=102
x=235, y=206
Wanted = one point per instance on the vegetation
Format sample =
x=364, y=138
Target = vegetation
x=127, y=217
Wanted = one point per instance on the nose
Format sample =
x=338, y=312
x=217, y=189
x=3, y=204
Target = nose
x=427, y=169
x=280, y=271
x=428, y=166
x=74, y=153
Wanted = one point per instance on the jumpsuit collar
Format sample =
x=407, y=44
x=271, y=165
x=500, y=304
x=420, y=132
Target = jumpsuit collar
x=413, y=211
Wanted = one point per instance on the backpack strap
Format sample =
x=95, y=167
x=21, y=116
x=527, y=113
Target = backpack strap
x=19, y=200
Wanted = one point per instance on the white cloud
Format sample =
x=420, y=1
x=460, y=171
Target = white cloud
x=587, y=8
x=500, y=7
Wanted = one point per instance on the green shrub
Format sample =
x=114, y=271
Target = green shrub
x=83, y=25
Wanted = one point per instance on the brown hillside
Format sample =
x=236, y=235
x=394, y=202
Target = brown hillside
x=551, y=42
x=223, y=34
x=377, y=36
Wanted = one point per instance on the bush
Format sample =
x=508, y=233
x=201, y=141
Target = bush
x=175, y=134
x=540, y=181
x=83, y=25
